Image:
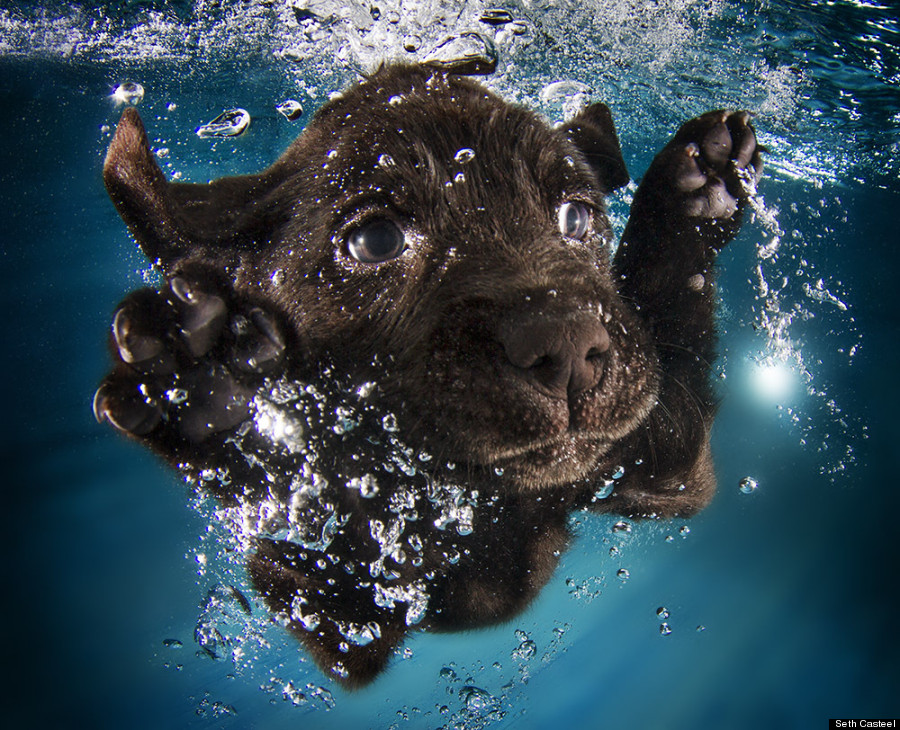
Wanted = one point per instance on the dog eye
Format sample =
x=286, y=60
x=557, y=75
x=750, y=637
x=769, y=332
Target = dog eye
x=376, y=242
x=574, y=219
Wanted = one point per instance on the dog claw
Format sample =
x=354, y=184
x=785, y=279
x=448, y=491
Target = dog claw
x=133, y=414
x=133, y=347
x=745, y=143
x=260, y=343
x=688, y=175
x=203, y=316
x=142, y=351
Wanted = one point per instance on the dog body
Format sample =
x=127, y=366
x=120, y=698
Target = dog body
x=438, y=260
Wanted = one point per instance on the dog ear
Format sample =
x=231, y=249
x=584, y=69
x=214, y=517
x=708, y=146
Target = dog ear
x=594, y=134
x=175, y=221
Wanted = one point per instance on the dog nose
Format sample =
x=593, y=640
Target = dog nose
x=561, y=355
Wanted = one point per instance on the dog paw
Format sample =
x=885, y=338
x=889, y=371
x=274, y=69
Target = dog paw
x=711, y=165
x=188, y=362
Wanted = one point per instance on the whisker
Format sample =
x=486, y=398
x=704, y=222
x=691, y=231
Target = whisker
x=683, y=348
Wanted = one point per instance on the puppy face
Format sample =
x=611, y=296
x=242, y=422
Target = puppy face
x=453, y=249
x=427, y=237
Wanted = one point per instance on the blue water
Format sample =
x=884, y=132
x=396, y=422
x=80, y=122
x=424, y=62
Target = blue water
x=795, y=586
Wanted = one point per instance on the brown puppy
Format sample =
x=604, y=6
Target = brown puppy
x=407, y=350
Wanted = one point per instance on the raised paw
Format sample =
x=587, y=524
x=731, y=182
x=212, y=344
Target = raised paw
x=188, y=363
x=711, y=165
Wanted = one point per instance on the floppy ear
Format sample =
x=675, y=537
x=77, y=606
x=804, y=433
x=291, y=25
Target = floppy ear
x=174, y=221
x=594, y=134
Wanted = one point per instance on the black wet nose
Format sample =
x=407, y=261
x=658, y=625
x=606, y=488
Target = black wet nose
x=561, y=355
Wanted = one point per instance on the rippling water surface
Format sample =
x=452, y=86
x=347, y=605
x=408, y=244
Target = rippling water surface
x=775, y=608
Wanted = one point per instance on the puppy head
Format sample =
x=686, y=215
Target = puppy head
x=425, y=235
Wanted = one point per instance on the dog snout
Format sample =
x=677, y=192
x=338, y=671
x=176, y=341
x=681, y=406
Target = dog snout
x=561, y=355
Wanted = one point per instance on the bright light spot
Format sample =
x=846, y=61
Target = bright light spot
x=278, y=426
x=774, y=380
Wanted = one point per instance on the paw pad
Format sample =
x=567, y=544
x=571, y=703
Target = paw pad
x=184, y=339
x=714, y=162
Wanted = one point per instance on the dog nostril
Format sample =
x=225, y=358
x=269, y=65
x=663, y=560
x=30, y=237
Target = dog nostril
x=596, y=353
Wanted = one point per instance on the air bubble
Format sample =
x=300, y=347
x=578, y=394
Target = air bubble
x=360, y=634
x=290, y=109
x=525, y=651
x=477, y=701
x=224, y=610
x=176, y=395
x=748, y=485
x=605, y=490
x=495, y=16
x=622, y=528
x=466, y=53
x=662, y=612
x=412, y=43
x=563, y=100
x=465, y=516
x=129, y=93
x=464, y=155
x=665, y=629
x=623, y=574
x=367, y=486
x=230, y=123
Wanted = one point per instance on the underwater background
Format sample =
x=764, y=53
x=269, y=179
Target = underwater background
x=777, y=607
